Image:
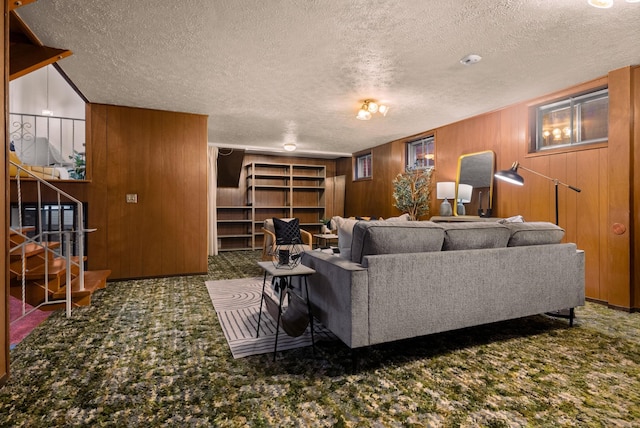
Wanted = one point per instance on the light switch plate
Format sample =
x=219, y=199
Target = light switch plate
x=132, y=198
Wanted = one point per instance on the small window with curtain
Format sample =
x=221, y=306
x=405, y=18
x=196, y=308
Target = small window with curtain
x=362, y=166
x=421, y=153
x=582, y=119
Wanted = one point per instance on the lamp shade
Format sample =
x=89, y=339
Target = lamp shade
x=510, y=175
x=464, y=193
x=446, y=190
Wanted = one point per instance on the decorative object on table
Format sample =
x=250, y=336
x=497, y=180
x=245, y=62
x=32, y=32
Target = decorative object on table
x=412, y=191
x=326, y=225
x=288, y=249
x=463, y=197
x=446, y=190
x=269, y=241
x=511, y=176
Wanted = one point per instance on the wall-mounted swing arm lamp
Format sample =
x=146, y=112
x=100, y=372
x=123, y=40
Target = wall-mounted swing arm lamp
x=511, y=176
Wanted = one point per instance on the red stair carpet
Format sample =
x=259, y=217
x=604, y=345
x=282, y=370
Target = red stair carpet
x=21, y=328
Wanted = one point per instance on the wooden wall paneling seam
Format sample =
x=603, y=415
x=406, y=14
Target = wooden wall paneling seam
x=587, y=219
x=603, y=222
x=97, y=199
x=116, y=218
x=558, y=170
x=194, y=193
x=620, y=105
x=171, y=160
x=571, y=198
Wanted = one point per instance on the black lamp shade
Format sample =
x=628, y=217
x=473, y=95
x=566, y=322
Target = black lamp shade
x=511, y=176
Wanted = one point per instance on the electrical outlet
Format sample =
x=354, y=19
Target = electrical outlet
x=132, y=198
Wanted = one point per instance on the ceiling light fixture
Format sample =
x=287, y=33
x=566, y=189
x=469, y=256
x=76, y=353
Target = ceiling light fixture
x=606, y=4
x=370, y=107
x=601, y=4
x=290, y=146
x=47, y=111
x=470, y=59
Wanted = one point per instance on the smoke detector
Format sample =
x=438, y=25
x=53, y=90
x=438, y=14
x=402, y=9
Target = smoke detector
x=470, y=59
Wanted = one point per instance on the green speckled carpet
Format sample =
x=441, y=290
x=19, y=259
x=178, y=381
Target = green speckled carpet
x=152, y=353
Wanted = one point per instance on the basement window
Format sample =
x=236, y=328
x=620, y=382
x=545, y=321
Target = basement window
x=582, y=119
x=362, y=166
x=420, y=153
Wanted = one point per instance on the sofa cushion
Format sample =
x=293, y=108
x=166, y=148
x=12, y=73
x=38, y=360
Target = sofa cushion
x=345, y=233
x=534, y=233
x=389, y=237
x=403, y=217
x=475, y=235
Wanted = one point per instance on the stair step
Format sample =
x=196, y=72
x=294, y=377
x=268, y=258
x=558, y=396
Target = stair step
x=35, y=293
x=21, y=231
x=93, y=280
x=32, y=249
x=56, y=267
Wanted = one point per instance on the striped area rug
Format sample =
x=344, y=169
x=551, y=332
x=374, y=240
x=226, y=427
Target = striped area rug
x=237, y=303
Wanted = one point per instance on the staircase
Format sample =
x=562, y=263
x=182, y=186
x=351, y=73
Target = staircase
x=45, y=274
x=46, y=268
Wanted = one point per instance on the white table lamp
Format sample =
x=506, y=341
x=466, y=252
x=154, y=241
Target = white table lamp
x=464, y=197
x=445, y=190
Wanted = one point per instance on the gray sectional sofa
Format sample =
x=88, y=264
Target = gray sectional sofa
x=408, y=279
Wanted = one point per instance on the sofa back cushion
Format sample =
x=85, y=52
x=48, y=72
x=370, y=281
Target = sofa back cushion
x=534, y=233
x=389, y=237
x=475, y=235
x=345, y=233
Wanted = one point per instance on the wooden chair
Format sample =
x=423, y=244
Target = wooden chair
x=269, y=241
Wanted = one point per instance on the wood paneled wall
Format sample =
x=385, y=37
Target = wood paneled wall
x=605, y=173
x=161, y=157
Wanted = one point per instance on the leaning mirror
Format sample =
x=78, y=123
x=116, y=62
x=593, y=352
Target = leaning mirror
x=474, y=184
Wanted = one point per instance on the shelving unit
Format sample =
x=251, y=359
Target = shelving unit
x=280, y=190
x=234, y=228
x=284, y=191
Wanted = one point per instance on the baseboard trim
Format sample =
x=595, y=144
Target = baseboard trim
x=614, y=307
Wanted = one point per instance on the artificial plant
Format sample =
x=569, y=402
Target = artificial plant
x=412, y=191
x=79, y=166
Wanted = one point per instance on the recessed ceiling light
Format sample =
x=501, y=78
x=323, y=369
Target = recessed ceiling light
x=470, y=59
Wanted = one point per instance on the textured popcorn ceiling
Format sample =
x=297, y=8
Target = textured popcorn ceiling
x=271, y=71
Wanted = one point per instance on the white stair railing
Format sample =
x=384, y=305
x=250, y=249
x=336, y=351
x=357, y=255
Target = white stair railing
x=65, y=236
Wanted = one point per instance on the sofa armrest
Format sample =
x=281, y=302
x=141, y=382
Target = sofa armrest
x=339, y=296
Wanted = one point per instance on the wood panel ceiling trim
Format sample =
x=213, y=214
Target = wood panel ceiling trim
x=26, y=52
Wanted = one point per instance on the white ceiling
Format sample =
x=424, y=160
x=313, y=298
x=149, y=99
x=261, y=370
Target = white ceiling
x=267, y=71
